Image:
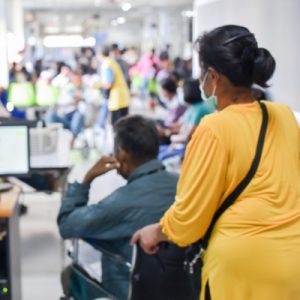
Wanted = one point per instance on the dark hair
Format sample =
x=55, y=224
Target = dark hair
x=169, y=85
x=138, y=136
x=232, y=50
x=105, y=51
x=114, y=47
x=191, y=91
x=164, y=56
x=175, y=75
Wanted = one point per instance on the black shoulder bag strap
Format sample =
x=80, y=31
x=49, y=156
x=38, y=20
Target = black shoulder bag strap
x=203, y=243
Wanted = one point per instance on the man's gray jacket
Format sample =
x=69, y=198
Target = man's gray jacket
x=110, y=224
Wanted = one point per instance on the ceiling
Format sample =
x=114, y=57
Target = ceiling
x=94, y=4
x=85, y=16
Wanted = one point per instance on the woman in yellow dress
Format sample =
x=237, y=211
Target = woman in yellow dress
x=254, y=249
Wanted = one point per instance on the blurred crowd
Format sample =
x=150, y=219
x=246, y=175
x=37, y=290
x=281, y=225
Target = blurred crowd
x=96, y=88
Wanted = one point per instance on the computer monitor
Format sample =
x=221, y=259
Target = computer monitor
x=14, y=150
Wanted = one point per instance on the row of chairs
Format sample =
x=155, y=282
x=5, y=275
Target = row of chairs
x=25, y=94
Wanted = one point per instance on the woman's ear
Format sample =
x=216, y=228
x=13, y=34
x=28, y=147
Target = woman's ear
x=213, y=76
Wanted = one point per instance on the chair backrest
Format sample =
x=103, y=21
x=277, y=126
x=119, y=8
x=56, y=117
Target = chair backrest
x=46, y=94
x=162, y=276
x=22, y=94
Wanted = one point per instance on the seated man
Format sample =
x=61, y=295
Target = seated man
x=150, y=190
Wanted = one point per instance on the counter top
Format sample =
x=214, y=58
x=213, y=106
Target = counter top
x=8, y=201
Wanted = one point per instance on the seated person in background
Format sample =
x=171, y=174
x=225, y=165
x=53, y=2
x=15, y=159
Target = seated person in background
x=166, y=69
x=196, y=110
x=175, y=107
x=70, y=107
x=63, y=78
x=150, y=190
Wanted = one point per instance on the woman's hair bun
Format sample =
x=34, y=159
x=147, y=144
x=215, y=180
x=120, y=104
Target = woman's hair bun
x=249, y=54
x=264, y=67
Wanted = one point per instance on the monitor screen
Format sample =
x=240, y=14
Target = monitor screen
x=14, y=150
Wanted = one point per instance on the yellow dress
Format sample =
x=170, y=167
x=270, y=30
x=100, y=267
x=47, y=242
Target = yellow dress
x=254, y=250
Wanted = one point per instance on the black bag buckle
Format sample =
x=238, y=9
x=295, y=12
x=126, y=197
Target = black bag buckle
x=193, y=255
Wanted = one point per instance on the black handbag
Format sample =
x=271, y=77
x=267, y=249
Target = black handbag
x=194, y=254
x=162, y=276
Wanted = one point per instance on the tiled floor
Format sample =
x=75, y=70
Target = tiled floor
x=41, y=248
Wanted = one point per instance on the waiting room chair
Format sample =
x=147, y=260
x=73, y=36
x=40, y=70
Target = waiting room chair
x=153, y=277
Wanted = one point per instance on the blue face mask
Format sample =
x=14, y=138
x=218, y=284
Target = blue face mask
x=211, y=100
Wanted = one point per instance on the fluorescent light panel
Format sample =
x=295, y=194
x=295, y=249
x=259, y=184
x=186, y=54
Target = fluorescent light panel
x=68, y=41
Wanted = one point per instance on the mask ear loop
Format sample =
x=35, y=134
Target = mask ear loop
x=214, y=90
x=204, y=79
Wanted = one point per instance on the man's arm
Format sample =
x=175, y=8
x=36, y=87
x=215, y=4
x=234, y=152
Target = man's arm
x=76, y=219
x=107, y=78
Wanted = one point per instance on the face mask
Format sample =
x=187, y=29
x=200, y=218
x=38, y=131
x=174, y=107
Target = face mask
x=212, y=100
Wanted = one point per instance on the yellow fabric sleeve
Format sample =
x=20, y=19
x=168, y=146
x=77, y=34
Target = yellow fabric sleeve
x=199, y=190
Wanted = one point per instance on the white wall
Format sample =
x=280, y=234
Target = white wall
x=126, y=35
x=3, y=43
x=171, y=28
x=276, y=25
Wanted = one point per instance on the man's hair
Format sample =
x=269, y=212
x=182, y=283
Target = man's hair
x=114, y=47
x=169, y=85
x=105, y=51
x=138, y=136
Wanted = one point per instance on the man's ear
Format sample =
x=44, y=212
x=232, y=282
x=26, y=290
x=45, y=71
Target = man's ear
x=122, y=155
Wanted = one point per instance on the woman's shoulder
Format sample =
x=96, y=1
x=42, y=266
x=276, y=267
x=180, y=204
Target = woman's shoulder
x=275, y=106
x=226, y=121
x=218, y=119
x=282, y=112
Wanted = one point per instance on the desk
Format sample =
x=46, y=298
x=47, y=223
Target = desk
x=10, y=260
x=56, y=178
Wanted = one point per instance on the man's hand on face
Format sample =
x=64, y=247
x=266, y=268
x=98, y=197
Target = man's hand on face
x=102, y=166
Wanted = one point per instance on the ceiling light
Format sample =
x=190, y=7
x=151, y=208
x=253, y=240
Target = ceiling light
x=68, y=41
x=126, y=6
x=121, y=20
